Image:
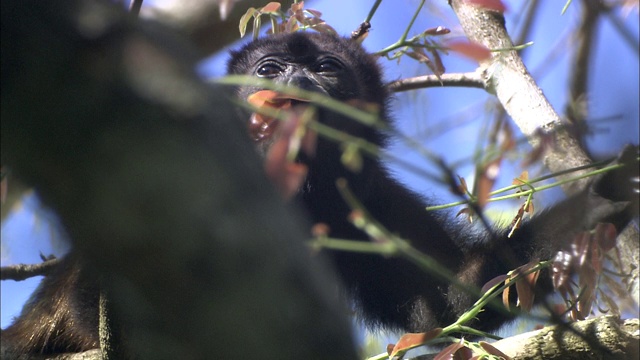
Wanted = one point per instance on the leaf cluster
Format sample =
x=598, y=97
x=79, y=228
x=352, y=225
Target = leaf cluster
x=293, y=19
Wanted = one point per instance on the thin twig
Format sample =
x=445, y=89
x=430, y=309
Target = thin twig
x=470, y=79
x=21, y=272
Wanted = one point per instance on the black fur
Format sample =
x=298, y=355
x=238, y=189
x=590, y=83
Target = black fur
x=392, y=292
x=44, y=323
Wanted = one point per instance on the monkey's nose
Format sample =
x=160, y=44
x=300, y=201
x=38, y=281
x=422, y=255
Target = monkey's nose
x=302, y=82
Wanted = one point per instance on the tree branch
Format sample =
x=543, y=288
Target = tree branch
x=471, y=79
x=21, y=272
x=604, y=337
x=525, y=102
x=576, y=108
x=518, y=93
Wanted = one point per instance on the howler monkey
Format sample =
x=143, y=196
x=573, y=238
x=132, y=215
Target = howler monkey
x=389, y=292
x=393, y=292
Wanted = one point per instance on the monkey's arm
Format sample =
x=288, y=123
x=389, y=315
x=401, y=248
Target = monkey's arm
x=407, y=297
x=393, y=291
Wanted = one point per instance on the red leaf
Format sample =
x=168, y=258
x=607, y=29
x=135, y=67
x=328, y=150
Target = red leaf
x=486, y=180
x=440, y=30
x=585, y=302
x=605, y=236
x=493, y=351
x=580, y=247
x=522, y=179
x=271, y=7
x=413, y=340
x=291, y=25
x=505, y=297
x=468, y=212
x=596, y=259
x=285, y=175
x=462, y=189
x=454, y=351
x=561, y=270
x=494, y=5
x=314, y=12
x=438, y=67
x=525, y=288
x=471, y=50
x=493, y=282
x=390, y=348
x=296, y=7
x=320, y=229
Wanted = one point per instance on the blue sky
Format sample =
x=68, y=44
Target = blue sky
x=614, y=92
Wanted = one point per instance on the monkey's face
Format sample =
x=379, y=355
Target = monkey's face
x=322, y=73
x=334, y=66
x=320, y=63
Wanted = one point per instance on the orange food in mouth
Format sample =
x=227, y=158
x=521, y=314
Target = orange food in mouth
x=285, y=173
x=262, y=126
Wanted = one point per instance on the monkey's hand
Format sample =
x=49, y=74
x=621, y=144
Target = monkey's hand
x=621, y=187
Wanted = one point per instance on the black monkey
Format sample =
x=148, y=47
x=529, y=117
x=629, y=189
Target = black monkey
x=392, y=292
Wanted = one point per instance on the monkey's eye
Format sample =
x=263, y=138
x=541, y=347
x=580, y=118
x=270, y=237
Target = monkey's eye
x=269, y=70
x=328, y=66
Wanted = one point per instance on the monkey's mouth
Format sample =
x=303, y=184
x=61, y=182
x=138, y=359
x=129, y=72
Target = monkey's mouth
x=270, y=105
x=284, y=144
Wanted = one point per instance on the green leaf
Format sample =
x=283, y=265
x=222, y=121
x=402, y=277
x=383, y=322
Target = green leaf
x=257, y=22
x=244, y=20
